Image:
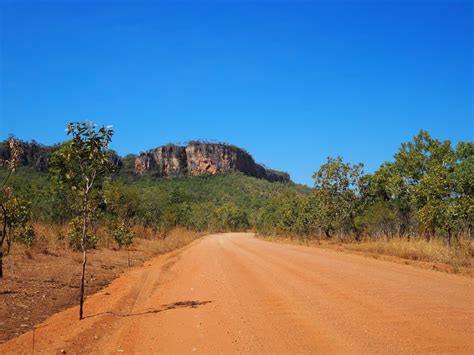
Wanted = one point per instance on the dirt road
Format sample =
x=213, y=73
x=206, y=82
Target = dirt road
x=233, y=293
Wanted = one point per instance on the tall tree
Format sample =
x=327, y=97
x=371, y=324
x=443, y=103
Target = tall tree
x=82, y=163
x=336, y=187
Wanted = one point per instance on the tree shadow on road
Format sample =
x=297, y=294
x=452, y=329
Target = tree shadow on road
x=164, y=307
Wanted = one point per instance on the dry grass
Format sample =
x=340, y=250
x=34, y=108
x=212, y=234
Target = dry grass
x=54, y=238
x=437, y=251
x=175, y=239
x=435, y=254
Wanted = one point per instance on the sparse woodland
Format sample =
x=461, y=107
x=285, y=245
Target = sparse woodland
x=424, y=194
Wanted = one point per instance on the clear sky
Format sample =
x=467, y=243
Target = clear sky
x=290, y=81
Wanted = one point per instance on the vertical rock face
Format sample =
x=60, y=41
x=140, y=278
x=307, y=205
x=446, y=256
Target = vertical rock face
x=144, y=163
x=205, y=158
x=170, y=160
x=199, y=158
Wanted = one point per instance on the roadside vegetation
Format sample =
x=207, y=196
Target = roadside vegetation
x=418, y=206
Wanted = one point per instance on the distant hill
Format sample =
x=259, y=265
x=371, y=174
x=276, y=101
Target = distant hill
x=197, y=158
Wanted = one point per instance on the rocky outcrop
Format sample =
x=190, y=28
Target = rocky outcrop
x=199, y=158
x=168, y=160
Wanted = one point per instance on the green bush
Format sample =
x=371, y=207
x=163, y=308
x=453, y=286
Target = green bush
x=122, y=234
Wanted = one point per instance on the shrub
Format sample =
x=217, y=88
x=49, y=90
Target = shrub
x=122, y=235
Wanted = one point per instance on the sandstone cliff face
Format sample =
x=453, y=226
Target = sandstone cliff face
x=170, y=160
x=199, y=158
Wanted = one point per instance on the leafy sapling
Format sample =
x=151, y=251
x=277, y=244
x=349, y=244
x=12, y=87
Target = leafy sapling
x=82, y=164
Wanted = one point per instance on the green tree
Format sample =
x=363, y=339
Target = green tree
x=463, y=180
x=386, y=189
x=336, y=188
x=377, y=219
x=82, y=164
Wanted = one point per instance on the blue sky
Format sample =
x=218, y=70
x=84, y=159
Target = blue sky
x=292, y=82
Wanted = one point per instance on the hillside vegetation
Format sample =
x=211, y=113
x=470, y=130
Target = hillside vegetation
x=202, y=203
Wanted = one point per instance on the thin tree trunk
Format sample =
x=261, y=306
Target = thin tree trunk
x=326, y=232
x=81, y=302
x=84, y=255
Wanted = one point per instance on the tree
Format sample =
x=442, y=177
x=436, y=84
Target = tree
x=336, y=187
x=123, y=236
x=82, y=163
x=18, y=227
x=6, y=193
x=464, y=184
x=386, y=190
x=426, y=167
x=376, y=219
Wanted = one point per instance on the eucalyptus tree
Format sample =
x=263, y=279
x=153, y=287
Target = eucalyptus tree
x=82, y=163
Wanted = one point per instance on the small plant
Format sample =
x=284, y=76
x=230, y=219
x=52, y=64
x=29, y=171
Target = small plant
x=18, y=227
x=122, y=235
x=25, y=235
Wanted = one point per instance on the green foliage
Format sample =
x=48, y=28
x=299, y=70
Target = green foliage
x=377, y=219
x=122, y=234
x=428, y=188
x=229, y=217
x=336, y=188
x=81, y=164
x=83, y=160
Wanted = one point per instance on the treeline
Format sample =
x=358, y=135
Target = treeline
x=427, y=191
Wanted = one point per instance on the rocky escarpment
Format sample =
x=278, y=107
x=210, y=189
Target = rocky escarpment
x=199, y=158
x=34, y=155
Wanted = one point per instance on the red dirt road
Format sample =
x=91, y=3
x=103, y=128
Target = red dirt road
x=233, y=293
